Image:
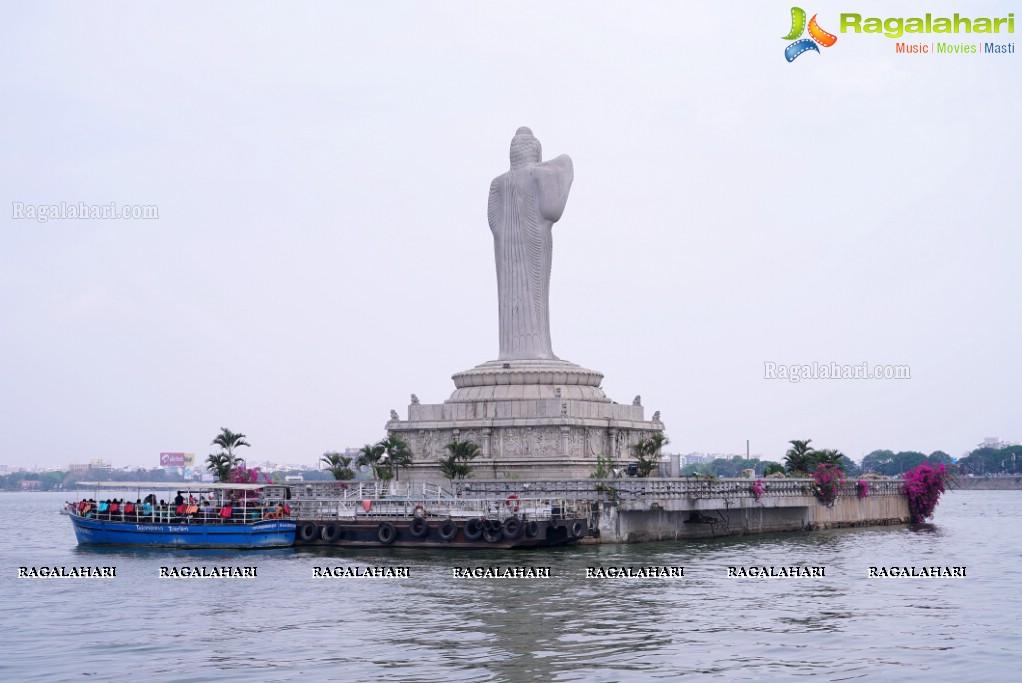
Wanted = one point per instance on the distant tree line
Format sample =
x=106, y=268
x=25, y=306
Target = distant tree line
x=728, y=467
x=802, y=459
x=57, y=480
x=984, y=461
x=895, y=464
x=60, y=480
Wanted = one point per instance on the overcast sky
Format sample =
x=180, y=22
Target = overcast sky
x=321, y=173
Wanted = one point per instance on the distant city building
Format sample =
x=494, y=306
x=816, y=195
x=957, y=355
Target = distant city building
x=82, y=468
x=704, y=458
x=31, y=485
x=695, y=459
x=995, y=443
x=268, y=467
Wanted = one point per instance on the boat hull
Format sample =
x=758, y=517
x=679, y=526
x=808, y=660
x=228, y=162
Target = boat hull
x=276, y=533
x=366, y=533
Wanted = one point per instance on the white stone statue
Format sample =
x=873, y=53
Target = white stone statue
x=524, y=204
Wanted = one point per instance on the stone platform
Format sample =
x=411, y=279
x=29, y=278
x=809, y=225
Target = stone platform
x=638, y=510
x=533, y=419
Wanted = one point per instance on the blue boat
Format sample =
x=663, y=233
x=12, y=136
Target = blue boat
x=244, y=516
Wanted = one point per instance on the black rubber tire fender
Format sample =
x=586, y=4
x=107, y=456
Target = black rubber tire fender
x=386, y=533
x=473, y=529
x=513, y=528
x=419, y=528
x=448, y=530
x=532, y=528
x=331, y=532
x=307, y=531
x=578, y=529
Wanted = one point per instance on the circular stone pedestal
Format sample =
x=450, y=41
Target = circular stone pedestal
x=518, y=380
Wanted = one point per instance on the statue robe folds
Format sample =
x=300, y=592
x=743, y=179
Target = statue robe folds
x=524, y=204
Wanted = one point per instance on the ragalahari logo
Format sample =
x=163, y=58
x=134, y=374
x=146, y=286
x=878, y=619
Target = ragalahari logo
x=817, y=35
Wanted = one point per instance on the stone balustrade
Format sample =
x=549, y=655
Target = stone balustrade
x=689, y=488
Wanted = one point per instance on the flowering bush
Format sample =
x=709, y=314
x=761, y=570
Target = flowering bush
x=923, y=486
x=827, y=481
x=757, y=489
x=862, y=489
x=243, y=475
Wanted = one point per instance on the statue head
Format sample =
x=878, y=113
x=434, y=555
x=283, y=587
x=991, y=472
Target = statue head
x=525, y=148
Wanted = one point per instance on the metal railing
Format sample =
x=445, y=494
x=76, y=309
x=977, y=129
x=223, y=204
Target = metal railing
x=537, y=500
x=691, y=488
x=351, y=500
x=241, y=514
x=204, y=506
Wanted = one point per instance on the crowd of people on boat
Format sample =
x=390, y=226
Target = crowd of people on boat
x=190, y=510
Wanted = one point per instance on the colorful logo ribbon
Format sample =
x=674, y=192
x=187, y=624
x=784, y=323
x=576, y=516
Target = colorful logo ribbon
x=798, y=26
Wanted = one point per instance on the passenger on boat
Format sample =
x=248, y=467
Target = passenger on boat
x=179, y=499
x=147, y=508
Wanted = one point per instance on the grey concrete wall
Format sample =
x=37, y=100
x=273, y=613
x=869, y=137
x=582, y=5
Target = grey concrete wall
x=711, y=518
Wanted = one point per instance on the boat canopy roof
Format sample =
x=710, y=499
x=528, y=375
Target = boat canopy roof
x=173, y=485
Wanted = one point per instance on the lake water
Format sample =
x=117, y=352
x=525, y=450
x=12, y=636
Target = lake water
x=284, y=624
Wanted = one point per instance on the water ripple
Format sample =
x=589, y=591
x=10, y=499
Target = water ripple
x=285, y=625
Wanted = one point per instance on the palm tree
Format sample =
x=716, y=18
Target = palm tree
x=456, y=464
x=372, y=455
x=338, y=465
x=228, y=440
x=799, y=457
x=647, y=452
x=220, y=464
x=829, y=456
x=397, y=452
